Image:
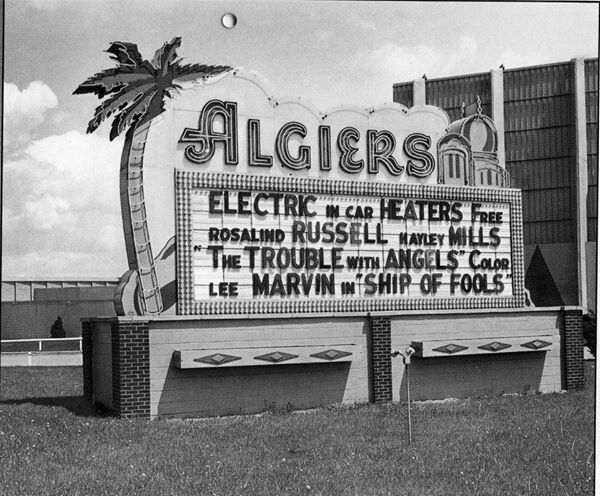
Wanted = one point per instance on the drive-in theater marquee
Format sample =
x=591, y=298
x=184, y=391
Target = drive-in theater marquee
x=282, y=209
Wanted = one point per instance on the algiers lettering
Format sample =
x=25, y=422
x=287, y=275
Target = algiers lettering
x=205, y=137
x=380, y=145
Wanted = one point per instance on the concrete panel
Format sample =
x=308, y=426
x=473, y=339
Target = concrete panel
x=473, y=375
x=456, y=326
x=218, y=391
x=234, y=391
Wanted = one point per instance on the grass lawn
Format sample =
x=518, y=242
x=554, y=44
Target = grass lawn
x=512, y=445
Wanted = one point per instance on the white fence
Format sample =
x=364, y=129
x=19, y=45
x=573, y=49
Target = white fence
x=41, y=344
x=43, y=352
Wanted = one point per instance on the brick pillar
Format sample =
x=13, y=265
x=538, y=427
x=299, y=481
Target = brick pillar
x=381, y=360
x=131, y=369
x=572, y=349
x=86, y=352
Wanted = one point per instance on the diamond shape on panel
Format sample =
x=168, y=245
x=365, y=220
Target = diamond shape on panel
x=276, y=357
x=217, y=359
x=450, y=348
x=331, y=354
x=494, y=346
x=536, y=344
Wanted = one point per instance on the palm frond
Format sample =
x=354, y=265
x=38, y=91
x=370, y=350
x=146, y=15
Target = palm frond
x=195, y=71
x=113, y=80
x=125, y=53
x=117, y=103
x=166, y=56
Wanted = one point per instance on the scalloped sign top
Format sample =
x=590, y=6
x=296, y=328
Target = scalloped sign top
x=232, y=124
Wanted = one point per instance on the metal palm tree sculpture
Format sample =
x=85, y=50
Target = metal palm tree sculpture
x=137, y=90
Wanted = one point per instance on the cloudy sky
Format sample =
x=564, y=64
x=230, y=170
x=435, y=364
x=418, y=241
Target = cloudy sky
x=61, y=213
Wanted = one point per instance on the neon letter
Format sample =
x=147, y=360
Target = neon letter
x=380, y=146
x=255, y=159
x=347, y=149
x=205, y=137
x=302, y=161
x=410, y=148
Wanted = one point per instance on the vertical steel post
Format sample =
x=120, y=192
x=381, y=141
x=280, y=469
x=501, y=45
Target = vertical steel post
x=406, y=360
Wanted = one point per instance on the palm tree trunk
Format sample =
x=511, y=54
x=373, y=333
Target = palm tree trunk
x=135, y=226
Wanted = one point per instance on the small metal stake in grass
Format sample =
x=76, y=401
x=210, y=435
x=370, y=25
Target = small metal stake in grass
x=406, y=364
x=406, y=359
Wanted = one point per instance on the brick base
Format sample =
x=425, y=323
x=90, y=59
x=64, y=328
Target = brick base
x=572, y=349
x=131, y=369
x=381, y=359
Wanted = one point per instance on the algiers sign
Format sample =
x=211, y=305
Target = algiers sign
x=263, y=204
x=378, y=149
